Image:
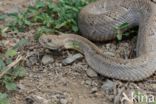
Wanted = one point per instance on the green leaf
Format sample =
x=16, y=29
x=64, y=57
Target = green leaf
x=40, y=4
x=123, y=26
x=12, y=14
x=2, y=65
x=11, y=53
x=154, y=102
x=54, y=16
x=8, y=60
x=2, y=17
x=10, y=86
x=8, y=82
x=27, y=22
x=21, y=43
x=75, y=28
x=72, y=8
x=52, y=5
x=19, y=71
x=119, y=37
x=126, y=34
x=58, y=26
x=4, y=98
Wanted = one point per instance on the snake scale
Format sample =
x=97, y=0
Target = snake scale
x=96, y=22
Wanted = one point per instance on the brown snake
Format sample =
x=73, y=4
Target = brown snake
x=97, y=21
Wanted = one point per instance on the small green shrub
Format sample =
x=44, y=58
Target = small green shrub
x=124, y=30
x=3, y=98
x=44, y=17
x=7, y=57
x=49, y=17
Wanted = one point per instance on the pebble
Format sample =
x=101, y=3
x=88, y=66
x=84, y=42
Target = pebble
x=46, y=59
x=109, y=53
x=153, y=86
x=63, y=101
x=88, y=82
x=32, y=61
x=29, y=100
x=91, y=73
x=94, y=90
x=108, y=86
x=108, y=46
x=71, y=59
x=35, y=99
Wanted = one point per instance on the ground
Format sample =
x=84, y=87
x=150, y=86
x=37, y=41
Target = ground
x=55, y=83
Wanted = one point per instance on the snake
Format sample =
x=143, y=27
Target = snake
x=96, y=22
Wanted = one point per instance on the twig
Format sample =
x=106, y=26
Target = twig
x=18, y=59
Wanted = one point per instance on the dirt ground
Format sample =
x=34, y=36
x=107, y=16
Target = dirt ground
x=55, y=83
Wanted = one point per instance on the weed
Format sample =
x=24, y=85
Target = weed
x=124, y=30
x=120, y=31
x=44, y=17
x=4, y=98
x=8, y=80
x=49, y=17
x=6, y=58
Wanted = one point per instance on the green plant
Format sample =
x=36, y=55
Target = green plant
x=7, y=81
x=124, y=30
x=49, y=17
x=120, y=30
x=4, y=98
x=6, y=58
x=44, y=17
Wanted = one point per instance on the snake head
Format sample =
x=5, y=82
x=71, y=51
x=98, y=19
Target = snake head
x=53, y=42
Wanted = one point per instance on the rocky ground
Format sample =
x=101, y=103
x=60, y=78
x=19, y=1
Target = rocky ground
x=55, y=77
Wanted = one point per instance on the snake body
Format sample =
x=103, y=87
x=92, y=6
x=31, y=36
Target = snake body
x=96, y=22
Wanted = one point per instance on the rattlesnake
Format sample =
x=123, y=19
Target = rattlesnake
x=96, y=22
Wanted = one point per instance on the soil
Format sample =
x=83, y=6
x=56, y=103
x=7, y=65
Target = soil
x=54, y=83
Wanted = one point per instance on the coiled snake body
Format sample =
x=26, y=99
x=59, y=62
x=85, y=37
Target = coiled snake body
x=97, y=21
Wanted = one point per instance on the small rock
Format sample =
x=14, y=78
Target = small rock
x=108, y=46
x=46, y=59
x=29, y=100
x=35, y=99
x=94, y=83
x=58, y=64
x=109, y=53
x=32, y=61
x=91, y=73
x=72, y=58
x=153, y=86
x=94, y=90
x=113, y=48
x=88, y=82
x=108, y=86
x=63, y=101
